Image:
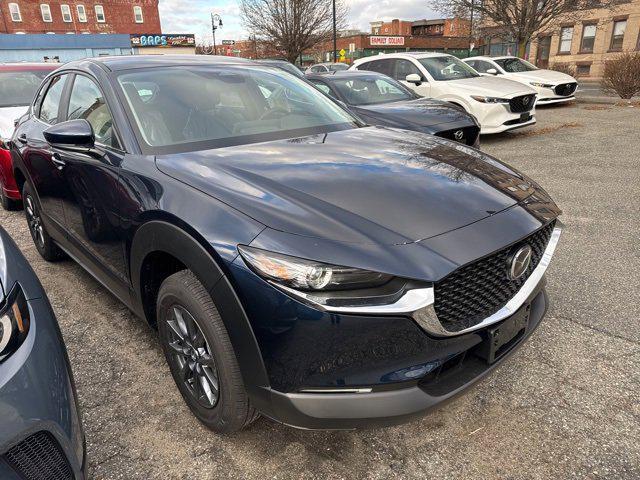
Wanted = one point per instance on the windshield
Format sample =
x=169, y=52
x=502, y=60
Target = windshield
x=515, y=65
x=18, y=88
x=228, y=105
x=447, y=68
x=370, y=90
x=337, y=67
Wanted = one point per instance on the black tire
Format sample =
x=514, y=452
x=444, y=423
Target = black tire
x=44, y=243
x=231, y=411
x=8, y=203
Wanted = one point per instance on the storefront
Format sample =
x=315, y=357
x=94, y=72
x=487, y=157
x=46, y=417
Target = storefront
x=155, y=44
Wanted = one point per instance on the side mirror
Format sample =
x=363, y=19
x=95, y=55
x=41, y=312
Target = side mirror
x=70, y=135
x=492, y=71
x=413, y=78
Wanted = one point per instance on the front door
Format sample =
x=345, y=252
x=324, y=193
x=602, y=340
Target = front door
x=91, y=209
x=544, y=49
x=402, y=68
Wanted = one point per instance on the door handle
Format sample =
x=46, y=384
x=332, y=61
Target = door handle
x=58, y=162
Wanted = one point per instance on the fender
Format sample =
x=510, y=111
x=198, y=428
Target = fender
x=161, y=236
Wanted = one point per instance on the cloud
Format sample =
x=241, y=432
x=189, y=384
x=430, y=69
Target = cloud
x=194, y=16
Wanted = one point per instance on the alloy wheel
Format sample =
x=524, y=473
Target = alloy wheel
x=193, y=357
x=34, y=221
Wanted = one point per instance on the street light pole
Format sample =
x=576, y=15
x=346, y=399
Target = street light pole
x=335, y=37
x=216, y=22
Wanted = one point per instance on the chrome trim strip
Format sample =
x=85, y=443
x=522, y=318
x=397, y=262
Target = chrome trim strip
x=336, y=390
x=419, y=302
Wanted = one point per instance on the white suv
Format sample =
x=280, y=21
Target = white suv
x=552, y=86
x=498, y=104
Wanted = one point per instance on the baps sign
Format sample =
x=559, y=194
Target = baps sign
x=375, y=40
x=163, y=40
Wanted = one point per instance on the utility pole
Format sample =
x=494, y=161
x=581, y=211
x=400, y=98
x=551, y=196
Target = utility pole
x=471, y=29
x=335, y=35
x=216, y=22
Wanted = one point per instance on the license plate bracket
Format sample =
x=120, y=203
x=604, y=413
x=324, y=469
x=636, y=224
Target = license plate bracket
x=502, y=337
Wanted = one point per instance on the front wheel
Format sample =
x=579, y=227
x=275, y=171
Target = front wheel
x=200, y=356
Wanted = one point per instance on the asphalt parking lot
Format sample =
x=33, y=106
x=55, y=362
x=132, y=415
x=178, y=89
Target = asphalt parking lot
x=567, y=405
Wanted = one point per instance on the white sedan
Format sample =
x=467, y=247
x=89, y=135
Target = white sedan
x=497, y=103
x=552, y=86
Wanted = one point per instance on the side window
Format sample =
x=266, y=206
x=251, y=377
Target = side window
x=404, y=68
x=317, y=69
x=482, y=66
x=51, y=103
x=87, y=102
x=384, y=66
x=473, y=64
x=323, y=87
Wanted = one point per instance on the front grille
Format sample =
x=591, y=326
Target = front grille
x=469, y=134
x=479, y=289
x=523, y=103
x=39, y=457
x=565, y=89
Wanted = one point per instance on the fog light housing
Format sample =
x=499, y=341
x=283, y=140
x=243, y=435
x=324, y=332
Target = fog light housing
x=14, y=322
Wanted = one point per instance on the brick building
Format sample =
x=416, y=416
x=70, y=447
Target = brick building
x=445, y=27
x=584, y=40
x=79, y=16
x=394, y=27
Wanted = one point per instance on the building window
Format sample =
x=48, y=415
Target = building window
x=100, y=14
x=583, y=70
x=66, y=13
x=15, y=12
x=588, y=38
x=137, y=14
x=82, y=13
x=46, y=13
x=617, y=36
x=566, y=34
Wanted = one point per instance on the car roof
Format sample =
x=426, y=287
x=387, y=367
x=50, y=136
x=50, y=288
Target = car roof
x=127, y=62
x=404, y=55
x=489, y=57
x=347, y=74
x=29, y=66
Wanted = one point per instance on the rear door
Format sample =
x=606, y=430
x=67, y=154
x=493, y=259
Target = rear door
x=38, y=156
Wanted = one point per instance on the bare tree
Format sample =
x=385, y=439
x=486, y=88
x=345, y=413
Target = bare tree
x=292, y=26
x=521, y=19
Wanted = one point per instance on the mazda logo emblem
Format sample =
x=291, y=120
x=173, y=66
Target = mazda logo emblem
x=519, y=262
x=459, y=135
x=525, y=100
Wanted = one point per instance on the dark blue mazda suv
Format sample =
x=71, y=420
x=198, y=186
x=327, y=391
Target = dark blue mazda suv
x=296, y=262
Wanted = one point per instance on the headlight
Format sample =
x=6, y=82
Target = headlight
x=482, y=99
x=14, y=322
x=309, y=275
x=543, y=85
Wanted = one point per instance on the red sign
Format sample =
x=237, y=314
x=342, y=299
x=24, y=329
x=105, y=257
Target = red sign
x=386, y=40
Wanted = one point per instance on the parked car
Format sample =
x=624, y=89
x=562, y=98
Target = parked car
x=326, y=67
x=498, y=104
x=380, y=100
x=41, y=434
x=284, y=65
x=551, y=86
x=18, y=83
x=296, y=262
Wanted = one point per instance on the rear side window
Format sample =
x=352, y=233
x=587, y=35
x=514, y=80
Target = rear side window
x=50, y=107
x=86, y=102
x=385, y=66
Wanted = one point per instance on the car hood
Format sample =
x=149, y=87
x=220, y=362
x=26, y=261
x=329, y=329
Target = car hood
x=547, y=76
x=491, y=86
x=8, y=115
x=421, y=112
x=363, y=185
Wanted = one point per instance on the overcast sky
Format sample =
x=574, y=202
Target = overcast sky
x=193, y=16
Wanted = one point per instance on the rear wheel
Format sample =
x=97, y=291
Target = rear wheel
x=200, y=356
x=44, y=243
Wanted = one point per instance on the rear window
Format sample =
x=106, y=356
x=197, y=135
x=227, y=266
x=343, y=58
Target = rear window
x=224, y=106
x=17, y=88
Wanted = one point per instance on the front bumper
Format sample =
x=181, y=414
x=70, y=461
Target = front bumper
x=554, y=100
x=387, y=407
x=498, y=118
x=37, y=397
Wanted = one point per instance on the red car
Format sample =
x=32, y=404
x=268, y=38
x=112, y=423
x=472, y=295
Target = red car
x=18, y=83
